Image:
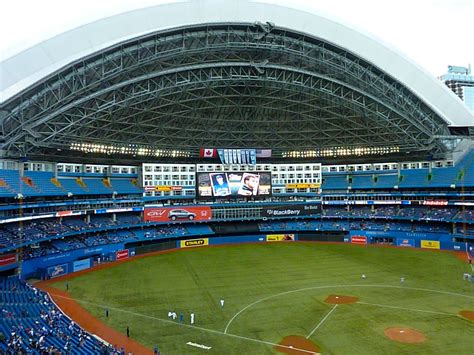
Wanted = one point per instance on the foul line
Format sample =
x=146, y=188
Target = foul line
x=338, y=286
x=322, y=321
x=184, y=325
x=407, y=309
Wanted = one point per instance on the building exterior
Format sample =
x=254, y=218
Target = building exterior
x=461, y=81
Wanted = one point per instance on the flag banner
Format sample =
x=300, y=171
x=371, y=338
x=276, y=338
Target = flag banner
x=243, y=156
x=226, y=156
x=253, y=157
x=264, y=153
x=221, y=155
x=207, y=153
x=234, y=156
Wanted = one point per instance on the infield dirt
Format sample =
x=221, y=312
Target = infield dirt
x=405, y=335
x=340, y=299
x=297, y=345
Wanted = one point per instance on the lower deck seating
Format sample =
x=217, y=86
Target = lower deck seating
x=31, y=323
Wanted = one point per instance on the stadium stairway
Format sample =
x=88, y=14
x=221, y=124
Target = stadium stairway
x=43, y=180
x=124, y=186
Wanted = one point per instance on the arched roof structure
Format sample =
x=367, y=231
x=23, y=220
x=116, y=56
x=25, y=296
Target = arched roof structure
x=221, y=74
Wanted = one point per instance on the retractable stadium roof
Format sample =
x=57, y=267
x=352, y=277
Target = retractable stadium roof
x=182, y=76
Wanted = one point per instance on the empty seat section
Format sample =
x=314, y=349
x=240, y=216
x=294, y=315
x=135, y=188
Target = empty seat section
x=386, y=181
x=125, y=186
x=414, y=178
x=362, y=182
x=42, y=180
x=97, y=187
x=335, y=183
x=70, y=185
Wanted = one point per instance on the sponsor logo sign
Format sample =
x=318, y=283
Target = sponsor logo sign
x=430, y=244
x=359, y=239
x=81, y=265
x=280, y=237
x=121, y=254
x=7, y=259
x=405, y=242
x=169, y=214
x=435, y=203
x=190, y=243
x=303, y=186
x=291, y=210
x=163, y=188
x=68, y=213
x=58, y=270
x=201, y=346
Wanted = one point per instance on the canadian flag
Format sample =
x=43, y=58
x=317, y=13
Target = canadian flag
x=207, y=153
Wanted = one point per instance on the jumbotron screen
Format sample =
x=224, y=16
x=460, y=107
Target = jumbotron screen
x=234, y=184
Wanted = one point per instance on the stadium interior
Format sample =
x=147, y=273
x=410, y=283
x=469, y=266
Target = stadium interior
x=111, y=151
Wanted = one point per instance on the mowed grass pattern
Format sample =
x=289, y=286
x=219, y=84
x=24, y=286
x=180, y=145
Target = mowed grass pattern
x=296, y=278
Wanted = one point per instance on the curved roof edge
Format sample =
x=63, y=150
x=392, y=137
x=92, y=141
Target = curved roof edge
x=19, y=71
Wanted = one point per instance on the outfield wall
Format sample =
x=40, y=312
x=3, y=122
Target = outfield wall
x=55, y=265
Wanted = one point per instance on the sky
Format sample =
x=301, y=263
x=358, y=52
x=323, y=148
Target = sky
x=433, y=33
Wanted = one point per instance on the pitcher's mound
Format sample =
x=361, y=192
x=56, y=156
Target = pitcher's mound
x=467, y=314
x=297, y=345
x=405, y=335
x=340, y=299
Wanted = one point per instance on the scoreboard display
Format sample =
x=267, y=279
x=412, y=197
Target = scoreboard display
x=234, y=184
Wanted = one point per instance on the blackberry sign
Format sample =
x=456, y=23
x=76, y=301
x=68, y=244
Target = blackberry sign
x=291, y=210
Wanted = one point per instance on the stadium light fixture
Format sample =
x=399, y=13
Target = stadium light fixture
x=341, y=151
x=130, y=149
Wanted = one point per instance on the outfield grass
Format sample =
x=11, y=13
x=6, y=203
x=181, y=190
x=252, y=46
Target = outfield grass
x=291, y=280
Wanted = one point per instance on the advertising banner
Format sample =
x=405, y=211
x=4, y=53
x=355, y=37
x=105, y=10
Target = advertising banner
x=280, y=237
x=7, y=259
x=81, y=265
x=435, y=203
x=167, y=214
x=430, y=244
x=303, y=186
x=190, y=243
x=405, y=242
x=58, y=270
x=69, y=213
x=163, y=188
x=121, y=254
x=358, y=239
x=290, y=210
x=234, y=184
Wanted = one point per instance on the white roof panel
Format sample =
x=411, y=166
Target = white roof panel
x=25, y=68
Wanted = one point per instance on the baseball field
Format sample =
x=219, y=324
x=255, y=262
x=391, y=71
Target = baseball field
x=284, y=297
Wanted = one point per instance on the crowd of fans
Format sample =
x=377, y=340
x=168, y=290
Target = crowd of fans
x=419, y=213
x=103, y=228
x=16, y=233
x=345, y=225
x=103, y=238
x=31, y=323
